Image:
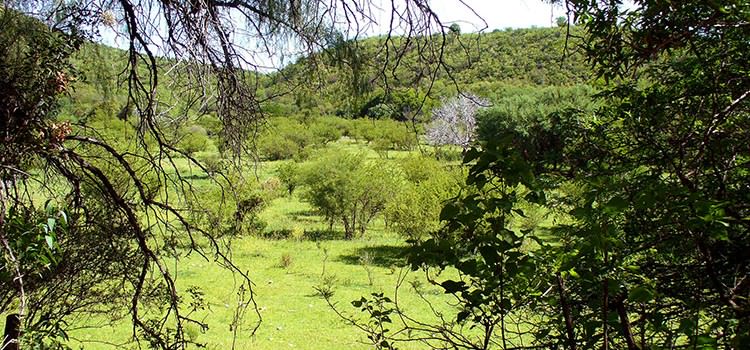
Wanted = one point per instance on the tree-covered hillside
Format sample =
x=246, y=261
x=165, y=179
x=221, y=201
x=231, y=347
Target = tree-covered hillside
x=377, y=77
x=521, y=73
x=370, y=77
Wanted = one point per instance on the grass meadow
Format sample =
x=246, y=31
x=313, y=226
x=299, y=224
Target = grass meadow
x=295, y=254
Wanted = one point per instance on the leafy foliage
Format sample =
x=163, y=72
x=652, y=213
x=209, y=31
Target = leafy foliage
x=647, y=187
x=231, y=214
x=415, y=209
x=84, y=222
x=351, y=189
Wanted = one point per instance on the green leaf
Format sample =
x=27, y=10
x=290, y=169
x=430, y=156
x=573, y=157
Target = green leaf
x=453, y=286
x=615, y=205
x=687, y=327
x=579, y=212
x=50, y=241
x=641, y=294
x=449, y=211
x=706, y=342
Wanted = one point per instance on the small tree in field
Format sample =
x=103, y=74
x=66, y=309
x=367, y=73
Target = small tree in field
x=347, y=188
x=454, y=122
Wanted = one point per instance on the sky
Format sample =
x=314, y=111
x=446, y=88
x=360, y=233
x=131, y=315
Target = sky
x=499, y=14
x=470, y=15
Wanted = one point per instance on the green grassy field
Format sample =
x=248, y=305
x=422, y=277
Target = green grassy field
x=294, y=315
x=295, y=254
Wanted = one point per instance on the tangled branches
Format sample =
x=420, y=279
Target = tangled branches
x=87, y=225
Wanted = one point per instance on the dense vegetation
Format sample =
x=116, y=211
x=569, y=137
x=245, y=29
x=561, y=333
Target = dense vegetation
x=584, y=186
x=647, y=188
x=397, y=88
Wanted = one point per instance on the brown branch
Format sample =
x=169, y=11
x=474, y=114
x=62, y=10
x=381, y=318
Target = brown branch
x=627, y=330
x=142, y=241
x=569, y=328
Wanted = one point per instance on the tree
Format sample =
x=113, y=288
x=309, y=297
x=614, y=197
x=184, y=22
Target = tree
x=561, y=21
x=194, y=139
x=102, y=239
x=662, y=154
x=347, y=188
x=454, y=122
x=415, y=210
x=289, y=174
x=398, y=104
x=649, y=192
x=455, y=29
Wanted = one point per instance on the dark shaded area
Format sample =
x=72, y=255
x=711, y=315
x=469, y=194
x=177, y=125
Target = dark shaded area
x=309, y=235
x=323, y=235
x=382, y=256
x=305, y=213
x=12, y=332
x=201, y=176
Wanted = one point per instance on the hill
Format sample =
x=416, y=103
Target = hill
x=378, y=77
x=353, y=78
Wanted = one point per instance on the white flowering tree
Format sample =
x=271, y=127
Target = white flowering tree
x=454, y=122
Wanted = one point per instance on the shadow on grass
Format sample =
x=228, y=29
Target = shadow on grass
x=308, y=235
x=276, y=234
x=308, y=216
x=304, y=213
x=323, y=235
x=196, y=177
x=382, y=255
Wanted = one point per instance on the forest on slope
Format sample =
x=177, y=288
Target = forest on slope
x=524, y=74
x=354, y=78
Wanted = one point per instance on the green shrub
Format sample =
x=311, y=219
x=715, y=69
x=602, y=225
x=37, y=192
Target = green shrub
x=397, y=135
x=211, y=123
x=528, y=110
x=364, y=130
x=448, y=154
x=229, y=206
x=272, y=188
x=193, y=139
x=414, y=211
x=277, y=147
x=212, y=161
x=325, y=129
x=348, y=188
x=287, y=138
x=419, y=169
x=289, y=174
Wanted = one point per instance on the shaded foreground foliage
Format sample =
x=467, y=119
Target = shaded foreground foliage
x=648, y=190
x=85, y=223
x=87, y=220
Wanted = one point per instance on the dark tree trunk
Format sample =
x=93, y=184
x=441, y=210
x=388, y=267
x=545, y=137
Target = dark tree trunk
x=569, y=329
x=12, y=332
x=627, y=330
